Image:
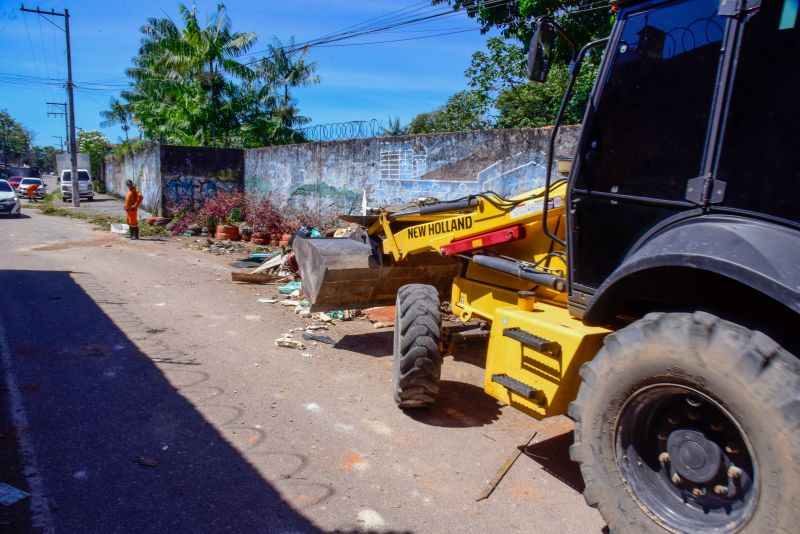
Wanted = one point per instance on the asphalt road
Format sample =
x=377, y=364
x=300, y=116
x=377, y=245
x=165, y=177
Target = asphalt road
x=142, y=392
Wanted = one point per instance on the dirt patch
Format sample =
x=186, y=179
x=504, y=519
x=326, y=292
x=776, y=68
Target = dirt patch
x=352, y=460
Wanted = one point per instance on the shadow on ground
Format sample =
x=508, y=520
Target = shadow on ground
x=119, y=448
x=377, y=344
x=553, y=455
x=459, y=405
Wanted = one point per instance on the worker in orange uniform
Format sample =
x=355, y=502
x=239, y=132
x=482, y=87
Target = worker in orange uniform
x=32, y=191
x=132, y=200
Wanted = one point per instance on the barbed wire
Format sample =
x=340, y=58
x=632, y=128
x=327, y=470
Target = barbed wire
x=346, y=131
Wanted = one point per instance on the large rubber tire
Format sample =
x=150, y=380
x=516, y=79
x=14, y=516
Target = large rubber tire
x=417, y=358
x=754, y=381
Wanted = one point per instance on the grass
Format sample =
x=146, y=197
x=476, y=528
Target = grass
x=101, y=221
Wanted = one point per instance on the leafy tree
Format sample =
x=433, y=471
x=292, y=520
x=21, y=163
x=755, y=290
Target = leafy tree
x=289, y=70
x=190, y=85
x=500, y=75
x=118, y=112
x=583, y=20
x=15, y=140
x=44, y=158
x=96, y=145
x=393, y=128
x=465, y=110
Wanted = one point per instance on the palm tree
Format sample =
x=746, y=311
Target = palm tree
x=286, y=66
x=117, y=113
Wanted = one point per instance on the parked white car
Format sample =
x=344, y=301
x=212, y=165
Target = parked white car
x=22, y=189
x=9, y=203
x=84, y=185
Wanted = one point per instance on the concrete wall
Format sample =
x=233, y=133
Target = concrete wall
x=332, y=175
x=144, y=168
x=170, y=176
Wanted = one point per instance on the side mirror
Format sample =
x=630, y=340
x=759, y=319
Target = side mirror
x=540, y=51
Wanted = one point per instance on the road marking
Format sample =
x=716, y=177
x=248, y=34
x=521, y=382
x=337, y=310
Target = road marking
x=40, y=511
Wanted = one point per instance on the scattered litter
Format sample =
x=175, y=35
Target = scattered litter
x=253, y=317
x=119, y=228
x=289, y=288
x=307, y=355
x=165, y=447
x=289, y=343
x=269, y=264
x=290, y=302
x=9, y=494
x=159, y=304
x=267, y=301
x=322, y=339
x=379, y=324
x=324, y=317
x=312, y=407
x=304, y=312
x=295, y=293
x=312, y=327
x=81, y=475
x=147, y=462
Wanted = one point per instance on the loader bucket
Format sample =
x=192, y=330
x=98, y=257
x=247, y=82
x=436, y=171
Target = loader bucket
x=342, y=273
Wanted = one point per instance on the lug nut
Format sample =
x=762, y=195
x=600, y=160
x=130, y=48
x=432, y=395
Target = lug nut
x=673, y=419
x=662, y=435
x=663, y=457
x=694, y=416
x=676, y=478
x=732, y=448
x=734, y=472
x=719, y=489
x=716, y=426
x=699, y=492
x=693, y=401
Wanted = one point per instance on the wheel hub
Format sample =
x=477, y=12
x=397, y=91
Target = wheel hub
x=694, y=457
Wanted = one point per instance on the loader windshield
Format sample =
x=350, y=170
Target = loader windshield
x=650, y=124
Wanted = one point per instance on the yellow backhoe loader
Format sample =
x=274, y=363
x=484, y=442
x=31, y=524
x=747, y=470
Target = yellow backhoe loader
x=653, y=295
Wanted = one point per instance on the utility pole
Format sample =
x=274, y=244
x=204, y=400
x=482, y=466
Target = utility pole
x=59, y=109
x=73, y=141
x=60, y=140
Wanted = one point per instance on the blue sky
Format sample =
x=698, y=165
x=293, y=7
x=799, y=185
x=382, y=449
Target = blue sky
x=374, y=81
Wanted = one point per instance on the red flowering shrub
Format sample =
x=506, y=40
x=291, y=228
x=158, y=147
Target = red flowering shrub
x=222, y=208
x=263, y=214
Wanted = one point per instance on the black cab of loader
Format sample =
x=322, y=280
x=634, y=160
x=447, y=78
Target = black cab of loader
x=683, y=234
x=685, y=189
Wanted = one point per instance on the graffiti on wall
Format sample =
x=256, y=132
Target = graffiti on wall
x=326, y=197
x=403, y=169
x=182, y=191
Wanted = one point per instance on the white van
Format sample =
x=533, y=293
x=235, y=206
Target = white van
x=84, y=185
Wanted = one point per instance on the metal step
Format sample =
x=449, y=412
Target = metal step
x=540, y=344
x=520, y=388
